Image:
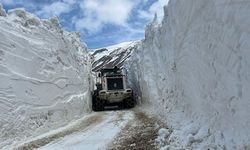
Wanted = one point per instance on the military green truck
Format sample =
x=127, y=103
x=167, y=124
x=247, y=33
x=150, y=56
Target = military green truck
x=111, y=90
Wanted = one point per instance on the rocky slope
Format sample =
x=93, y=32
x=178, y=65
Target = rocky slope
x=44, y=76
x=112, y=56
x=193, y=69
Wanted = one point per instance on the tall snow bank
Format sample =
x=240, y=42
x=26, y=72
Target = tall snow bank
x=44, y=76
x=194, y=68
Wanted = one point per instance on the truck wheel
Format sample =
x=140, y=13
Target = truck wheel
x=99, y=105
x=121, y=105
x=94, y=103
x=129, y=103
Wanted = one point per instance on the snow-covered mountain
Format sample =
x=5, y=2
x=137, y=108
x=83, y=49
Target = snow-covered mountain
x=114, y=55
x=193, y=69
x=44, y=76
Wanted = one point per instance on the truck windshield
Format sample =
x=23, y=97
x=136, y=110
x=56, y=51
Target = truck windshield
x=115, y=83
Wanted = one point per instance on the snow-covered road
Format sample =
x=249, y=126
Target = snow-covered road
x=95, y=136
x=94, y=131
x=114, y=129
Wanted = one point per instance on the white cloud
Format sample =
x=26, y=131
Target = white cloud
x=156, y=7
x=70, y=1
x=98, y=13
x=55, y=9
x=7, y=2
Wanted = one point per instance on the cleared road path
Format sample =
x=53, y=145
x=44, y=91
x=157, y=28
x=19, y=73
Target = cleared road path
x=122, y=129
x=96, y=136
x=94, y=131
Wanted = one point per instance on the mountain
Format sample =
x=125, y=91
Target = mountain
x=112, y=56
x=44, y=76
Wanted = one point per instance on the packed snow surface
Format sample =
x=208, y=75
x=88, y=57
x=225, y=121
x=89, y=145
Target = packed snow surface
x=194, y=69
x=44, y=76
x=95, y=137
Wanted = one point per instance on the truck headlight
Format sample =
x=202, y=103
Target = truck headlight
x=102, y=92
x=129, y=91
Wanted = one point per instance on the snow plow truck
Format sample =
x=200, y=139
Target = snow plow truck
x=111, y=90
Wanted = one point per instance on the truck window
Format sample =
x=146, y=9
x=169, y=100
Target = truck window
x=115, y=83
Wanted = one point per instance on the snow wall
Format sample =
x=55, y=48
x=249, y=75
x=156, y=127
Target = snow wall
x=194, y=69
x=44, y=76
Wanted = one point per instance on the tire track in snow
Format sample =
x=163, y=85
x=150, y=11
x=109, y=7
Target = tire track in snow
x=96, y=138
x=140, y=134
x=94, y=132
x=82, y=125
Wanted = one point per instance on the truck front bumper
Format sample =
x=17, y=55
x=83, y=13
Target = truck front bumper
x=115, y=96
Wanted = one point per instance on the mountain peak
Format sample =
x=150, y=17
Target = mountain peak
x=113, y=55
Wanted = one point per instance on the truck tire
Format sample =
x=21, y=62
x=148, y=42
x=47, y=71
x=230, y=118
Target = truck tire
x=94, y=103
x=99, y=105
x=121, y=105
x=129, y=103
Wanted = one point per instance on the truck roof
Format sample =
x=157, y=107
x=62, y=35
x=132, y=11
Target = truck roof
x=111, y=71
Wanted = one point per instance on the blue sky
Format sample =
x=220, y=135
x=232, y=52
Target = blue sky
x=100, y=22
